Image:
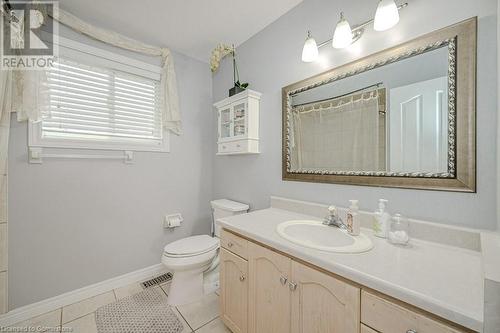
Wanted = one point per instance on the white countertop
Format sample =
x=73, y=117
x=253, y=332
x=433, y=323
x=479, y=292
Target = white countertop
x=490, y=246
x=443, y=280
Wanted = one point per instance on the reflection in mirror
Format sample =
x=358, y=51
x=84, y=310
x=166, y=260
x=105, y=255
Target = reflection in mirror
x=392, y=118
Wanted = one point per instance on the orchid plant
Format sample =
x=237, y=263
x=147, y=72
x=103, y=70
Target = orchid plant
x=218, y=53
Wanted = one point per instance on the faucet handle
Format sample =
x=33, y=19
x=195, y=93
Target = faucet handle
x=332, y=209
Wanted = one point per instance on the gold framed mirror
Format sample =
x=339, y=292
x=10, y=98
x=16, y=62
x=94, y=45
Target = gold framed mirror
x=404, y=117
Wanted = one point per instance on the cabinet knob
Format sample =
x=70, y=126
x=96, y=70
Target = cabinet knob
x=223, y=147
x=230, y=244
x=238, y=145
x=242, y=278
x=283, y=280
x=292, y=286
x=411, y=331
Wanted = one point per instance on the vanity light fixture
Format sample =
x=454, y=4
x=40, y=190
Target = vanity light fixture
x=342, y=37
x=310, y=50
x=386, y=17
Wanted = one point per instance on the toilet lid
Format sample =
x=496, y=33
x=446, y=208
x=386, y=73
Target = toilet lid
x=192, y=245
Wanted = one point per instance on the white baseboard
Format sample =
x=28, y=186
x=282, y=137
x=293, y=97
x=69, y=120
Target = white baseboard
x=32, y=310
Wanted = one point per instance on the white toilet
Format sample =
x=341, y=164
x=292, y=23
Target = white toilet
x=194, y=260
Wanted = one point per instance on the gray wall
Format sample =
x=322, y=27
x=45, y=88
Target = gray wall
x=73, y=223
x=271, y=60
x=426, y=66
x=498, y=118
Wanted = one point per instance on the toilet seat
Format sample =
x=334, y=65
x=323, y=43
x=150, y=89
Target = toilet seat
x=191, y=246
x=200, y=261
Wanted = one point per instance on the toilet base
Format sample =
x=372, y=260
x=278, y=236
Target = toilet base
x=211, y=282
x=191, y=286
x=186, y=287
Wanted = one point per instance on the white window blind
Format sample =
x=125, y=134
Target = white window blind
x=99, y=104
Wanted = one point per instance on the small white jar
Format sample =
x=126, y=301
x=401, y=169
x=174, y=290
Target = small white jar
x=399, y=230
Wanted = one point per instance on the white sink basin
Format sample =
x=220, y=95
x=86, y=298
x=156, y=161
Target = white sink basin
x=316, y=235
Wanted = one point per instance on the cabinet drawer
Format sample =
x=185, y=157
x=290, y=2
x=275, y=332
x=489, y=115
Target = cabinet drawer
x=366, y=329
x=233, y=146
x=388, y=317
x=235, y=244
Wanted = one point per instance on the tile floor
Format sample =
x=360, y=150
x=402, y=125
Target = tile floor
x=199, y=317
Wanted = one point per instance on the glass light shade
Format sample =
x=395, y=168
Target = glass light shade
x=342, y=37
x=310, y=50
x=387, y=15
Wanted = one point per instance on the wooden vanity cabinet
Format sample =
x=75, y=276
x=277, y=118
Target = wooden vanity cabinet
x=234, y=291
x=366, y=329
x=287, y=296
x=386, y=316
x=264, y=291
x=323, y=303
x=269, y=293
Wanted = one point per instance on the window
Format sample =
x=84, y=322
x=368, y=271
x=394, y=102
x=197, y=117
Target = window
x=100, y=101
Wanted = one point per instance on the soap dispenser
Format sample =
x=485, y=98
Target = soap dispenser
x=353, y=222
x=381, y=219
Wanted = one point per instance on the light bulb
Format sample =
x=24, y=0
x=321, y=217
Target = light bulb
x=310, y=50
x=342, y=37
x=387, y=15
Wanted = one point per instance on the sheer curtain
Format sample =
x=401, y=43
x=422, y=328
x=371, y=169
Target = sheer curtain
x=5, y=109
x=26, y=93
x=343, y=137
x=171, y=113
x=20, y=89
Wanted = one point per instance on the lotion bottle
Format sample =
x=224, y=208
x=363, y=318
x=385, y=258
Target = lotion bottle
x=353, y=222
x=381, y=219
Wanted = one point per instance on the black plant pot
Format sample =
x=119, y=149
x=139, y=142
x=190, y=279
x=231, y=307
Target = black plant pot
x=235, y=90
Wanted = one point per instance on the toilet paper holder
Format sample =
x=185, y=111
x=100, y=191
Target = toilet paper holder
x=174, y=220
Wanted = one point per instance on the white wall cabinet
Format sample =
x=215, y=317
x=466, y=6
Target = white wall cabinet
x=238, y=124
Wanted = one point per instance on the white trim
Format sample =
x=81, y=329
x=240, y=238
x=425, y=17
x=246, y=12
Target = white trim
x=35, y=140
x=54, y=303
x=235, y=98
x=118, y=62
x=36, y=156
x=143, y=67
x=95, y=51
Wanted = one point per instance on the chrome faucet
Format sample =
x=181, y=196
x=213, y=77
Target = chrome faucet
x=333, y=219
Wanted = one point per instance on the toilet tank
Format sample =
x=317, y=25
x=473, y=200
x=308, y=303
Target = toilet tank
x=224, y=208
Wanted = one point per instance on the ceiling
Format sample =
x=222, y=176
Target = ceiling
x=191, y=27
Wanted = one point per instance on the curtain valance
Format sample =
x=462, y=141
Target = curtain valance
x=26, y=97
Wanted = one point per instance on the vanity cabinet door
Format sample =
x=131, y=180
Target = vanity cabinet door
x=269, y=293
x=322, y=303
x=234, y=291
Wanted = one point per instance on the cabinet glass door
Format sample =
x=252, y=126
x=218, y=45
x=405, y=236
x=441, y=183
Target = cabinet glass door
x=240, y=114
x=225, y=123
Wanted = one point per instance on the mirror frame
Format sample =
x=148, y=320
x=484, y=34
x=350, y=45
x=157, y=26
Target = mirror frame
x=461, y=40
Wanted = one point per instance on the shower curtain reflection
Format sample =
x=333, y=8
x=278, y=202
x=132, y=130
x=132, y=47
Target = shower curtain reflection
x=343, y=135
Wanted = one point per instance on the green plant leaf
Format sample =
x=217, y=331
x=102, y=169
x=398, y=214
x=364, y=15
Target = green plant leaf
x=241, y=85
